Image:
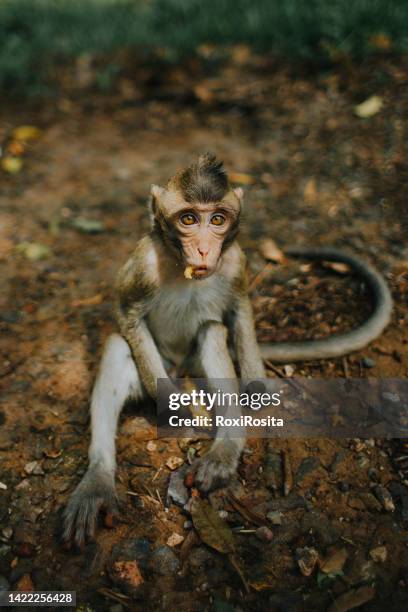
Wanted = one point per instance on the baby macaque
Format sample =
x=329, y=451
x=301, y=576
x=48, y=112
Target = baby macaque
x=182, y=299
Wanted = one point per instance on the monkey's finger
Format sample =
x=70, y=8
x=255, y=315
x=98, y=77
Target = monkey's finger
x=69, y=520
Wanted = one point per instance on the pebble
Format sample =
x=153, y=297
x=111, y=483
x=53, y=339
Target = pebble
x=344, y=486
x=275, y=517
x=384, y=497
x=7, y=532
x=378, y=554
x=368, y=362
x=363, y=461
x=307, y=559
x=264, y=534
x=373, y=474
x=164, y=561
x=4, y=584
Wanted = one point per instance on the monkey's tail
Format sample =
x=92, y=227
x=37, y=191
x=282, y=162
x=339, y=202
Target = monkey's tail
x=342, y=344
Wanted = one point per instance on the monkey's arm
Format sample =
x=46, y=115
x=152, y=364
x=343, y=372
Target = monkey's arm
x=246, y=346
x=136, y=287
x=342, y=344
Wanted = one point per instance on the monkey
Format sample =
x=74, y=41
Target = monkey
x=182, y=298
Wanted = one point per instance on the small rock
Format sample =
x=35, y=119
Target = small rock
x=4, y=584
x=7, y=532
x=174, y=462
x=264, y=534
x=378, y=554
x=4, y=550
x=384, y=497
x=175, y=539
x=275, y=517
x=344, y=486
x=368, y=363
x=187, y=524
x=177, y=491
x=34, y=467
x=307, y=559
x=223, y=514
x=164, y=561
x=151, y=446
x=289, y=370
x=373, y=474
x=3, y=486
x=309, y=464
x=363, y=461
x=371, y=503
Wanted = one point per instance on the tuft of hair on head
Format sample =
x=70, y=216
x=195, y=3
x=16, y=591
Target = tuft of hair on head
x=204, y=181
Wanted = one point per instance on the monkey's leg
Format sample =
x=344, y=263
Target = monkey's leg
x=214, y=361
x=117, y=380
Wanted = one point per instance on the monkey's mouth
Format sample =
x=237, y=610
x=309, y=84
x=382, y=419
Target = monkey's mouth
x=200, y=271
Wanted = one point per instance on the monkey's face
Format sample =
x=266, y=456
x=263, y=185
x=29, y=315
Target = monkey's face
x=202, y=230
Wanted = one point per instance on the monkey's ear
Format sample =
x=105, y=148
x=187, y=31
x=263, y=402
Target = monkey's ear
x=239, y=194
x=156, y=191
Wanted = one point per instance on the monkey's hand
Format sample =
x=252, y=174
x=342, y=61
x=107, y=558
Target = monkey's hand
x=218, y=465
x=95, y=492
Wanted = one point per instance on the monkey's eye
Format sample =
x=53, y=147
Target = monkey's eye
x=217, y=220
x=188, y=219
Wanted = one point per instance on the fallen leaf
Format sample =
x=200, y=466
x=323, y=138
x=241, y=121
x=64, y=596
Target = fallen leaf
x=11, y=164
x=175, y=539
x=127, y=572
x=241, y=178
x=352, y=599
x=270, y=251
x=26, y=132
x=34, y=251
x=310, y=191
x=380, y=41
x=25, y=583
x=15, y=147
x=211, y=528
x=88, y=226
x=337, y=266
x=369, y=107
x=333, y=564
x=94, y=300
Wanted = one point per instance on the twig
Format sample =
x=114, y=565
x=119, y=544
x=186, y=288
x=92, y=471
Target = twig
x=287, y=472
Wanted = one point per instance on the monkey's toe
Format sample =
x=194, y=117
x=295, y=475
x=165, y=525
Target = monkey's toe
x=217, y=466
x=81, y=513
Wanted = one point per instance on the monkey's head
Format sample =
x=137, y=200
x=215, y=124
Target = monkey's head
x=197, y=214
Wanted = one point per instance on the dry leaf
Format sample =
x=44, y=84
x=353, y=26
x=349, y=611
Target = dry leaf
x=211, y=528
x=26, y=132
x=337, y=266
x=270, y=251
x=34, y=251
x=352, y=599
x=334, y=563
x=310, y=191
x=369, y=107
x=241, y=178
x=94, y=300
x=11, y=164
x=380, y=41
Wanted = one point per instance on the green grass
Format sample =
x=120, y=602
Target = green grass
x=37, y=36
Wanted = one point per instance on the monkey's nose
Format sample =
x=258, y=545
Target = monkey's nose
x=202, y=252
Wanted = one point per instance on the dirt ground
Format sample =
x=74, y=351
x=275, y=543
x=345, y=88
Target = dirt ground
x=314, y=174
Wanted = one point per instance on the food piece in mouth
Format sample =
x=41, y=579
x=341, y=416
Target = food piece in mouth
x=188, y=272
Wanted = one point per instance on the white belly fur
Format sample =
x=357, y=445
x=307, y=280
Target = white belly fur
x=179, y=310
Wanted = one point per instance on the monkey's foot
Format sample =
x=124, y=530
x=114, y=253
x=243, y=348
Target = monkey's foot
x=95, y=492
x=218, y=465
